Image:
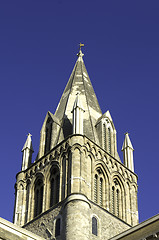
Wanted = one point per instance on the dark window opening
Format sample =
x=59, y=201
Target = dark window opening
x=57, y=227
x=38, y=197
x=94, y=226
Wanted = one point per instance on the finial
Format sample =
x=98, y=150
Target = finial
x=126, y=133
x=80, y=54
x=29, y=134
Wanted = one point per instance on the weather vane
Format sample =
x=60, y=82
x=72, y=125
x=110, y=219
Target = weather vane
x=81, y=45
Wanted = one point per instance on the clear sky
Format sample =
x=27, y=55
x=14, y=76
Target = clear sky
x=38, y=46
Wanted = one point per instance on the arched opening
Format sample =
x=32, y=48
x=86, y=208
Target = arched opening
x=94, y=226
x=48, y=133
x=117, y=198
x=54, y=186
x=38, y=200
x=99, y=186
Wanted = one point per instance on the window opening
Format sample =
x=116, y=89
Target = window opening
x=54, y=186
x=48, y=132
x=95, y=188
x=94, y=226
x=57, y=227
x=38, y=197
x=101, y=191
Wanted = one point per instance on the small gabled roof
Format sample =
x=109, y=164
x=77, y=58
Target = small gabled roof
x=127, y=142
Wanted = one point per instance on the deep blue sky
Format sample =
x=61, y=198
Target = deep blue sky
x=38, y=45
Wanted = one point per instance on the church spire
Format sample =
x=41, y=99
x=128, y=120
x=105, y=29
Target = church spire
x=79, y=82
x=127, y=149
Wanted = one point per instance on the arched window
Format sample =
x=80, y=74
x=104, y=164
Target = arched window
x=54, y=186
x=38, y=197
x=99, y=187
x=57, y=227
x=116, y=198
x=48, y=133
x=94, y=226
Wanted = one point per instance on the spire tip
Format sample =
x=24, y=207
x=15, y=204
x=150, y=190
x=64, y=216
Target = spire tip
x=80, y=54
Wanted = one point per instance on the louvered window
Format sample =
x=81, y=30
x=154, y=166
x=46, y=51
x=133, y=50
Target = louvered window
x=109, y=140
x=104, y=137
x=101, y=191
x=95, y=188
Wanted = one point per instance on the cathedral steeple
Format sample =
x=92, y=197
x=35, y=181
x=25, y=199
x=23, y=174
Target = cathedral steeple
x=79, y=82
x=77, y=176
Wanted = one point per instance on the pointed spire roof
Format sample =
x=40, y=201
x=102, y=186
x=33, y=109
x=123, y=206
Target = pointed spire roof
x=127, y=142
x=79, y=82
x=28, y=143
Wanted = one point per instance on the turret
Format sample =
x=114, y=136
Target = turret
x=77, y=116
x=27, y=153
x=127, y=149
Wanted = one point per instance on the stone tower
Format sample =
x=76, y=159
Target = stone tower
x=77, y=187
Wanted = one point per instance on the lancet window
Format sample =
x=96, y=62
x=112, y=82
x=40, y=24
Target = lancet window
x=94, y=226
x=116, y=198
x=54, y=186
x=48, y=133
x=38, y=200
x=107, y=136
x=98, y=187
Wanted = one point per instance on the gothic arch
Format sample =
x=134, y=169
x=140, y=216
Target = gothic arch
x=118, y=196
x=52, y=180
x=94, y=151
x=101, y=184
x=54, y=185
x=32, y=204
x=38, y=196
x=76, y=146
